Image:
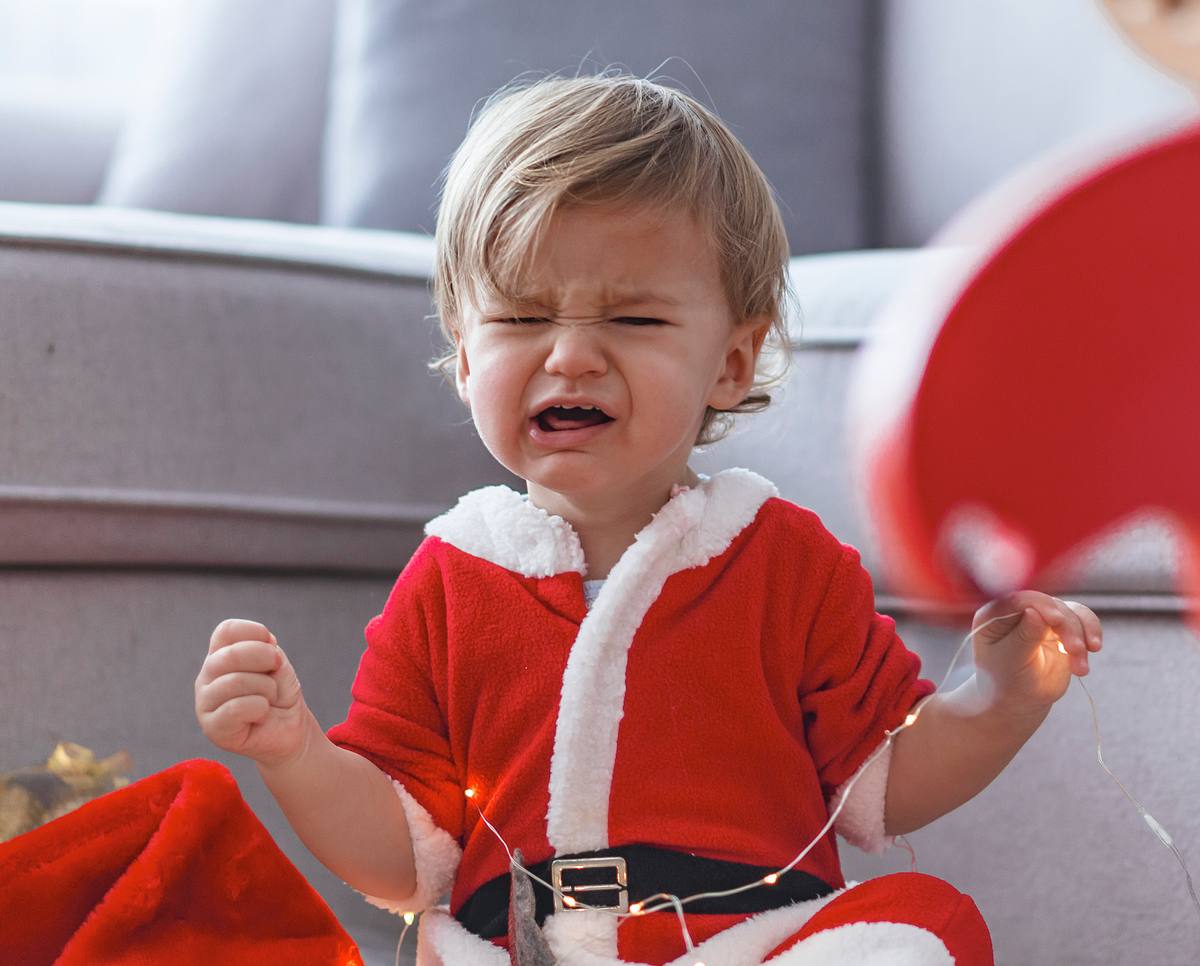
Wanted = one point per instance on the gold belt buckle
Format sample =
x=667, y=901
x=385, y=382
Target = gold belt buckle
x=620, y=885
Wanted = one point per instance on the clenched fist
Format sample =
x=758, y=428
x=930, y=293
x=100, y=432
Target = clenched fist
x=248, y=698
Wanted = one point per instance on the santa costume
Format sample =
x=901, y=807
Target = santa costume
x=691, y=729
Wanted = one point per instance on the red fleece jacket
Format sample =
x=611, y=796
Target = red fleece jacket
x=756, y=685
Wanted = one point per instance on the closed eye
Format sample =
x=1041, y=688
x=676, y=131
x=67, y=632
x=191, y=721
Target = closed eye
x=536, y=320
x=517, y=322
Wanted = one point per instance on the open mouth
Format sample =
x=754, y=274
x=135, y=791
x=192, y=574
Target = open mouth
x=557, y=419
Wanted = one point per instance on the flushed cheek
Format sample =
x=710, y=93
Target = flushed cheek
x=496, y=409
x=499, y=414
x=679, y=426
x=669, y=398
x=494, y=372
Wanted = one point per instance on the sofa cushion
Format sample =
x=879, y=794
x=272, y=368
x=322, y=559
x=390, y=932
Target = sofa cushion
x=789, y=78
x=232, y=114
x=57, y=141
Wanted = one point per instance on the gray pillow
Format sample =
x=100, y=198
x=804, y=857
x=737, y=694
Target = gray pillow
x=57, y=142
x=232, y=114
x=788, y=76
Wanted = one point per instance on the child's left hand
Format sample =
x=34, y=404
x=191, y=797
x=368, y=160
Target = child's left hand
x=1019, y=667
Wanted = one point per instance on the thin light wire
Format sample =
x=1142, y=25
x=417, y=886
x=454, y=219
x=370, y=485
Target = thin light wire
x=687, y=936
x=409, y=919
x=645, y=907
x=668, y=901
x=1160, y=833
x=517, y=865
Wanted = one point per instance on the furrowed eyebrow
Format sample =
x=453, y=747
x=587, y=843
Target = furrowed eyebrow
x=641, y=298
x=613, y=300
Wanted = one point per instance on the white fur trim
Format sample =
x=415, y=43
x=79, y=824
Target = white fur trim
x=868, y=944
x=444, y=941
x=575, y=938
x=861, y=821
x=691, y=528
x=437, y=857
x=752, y=939
x=498, y=524
x=582, y=938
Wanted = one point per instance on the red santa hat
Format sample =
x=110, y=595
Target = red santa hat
x=174, y=868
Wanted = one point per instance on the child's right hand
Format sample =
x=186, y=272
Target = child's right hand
x=248, y=698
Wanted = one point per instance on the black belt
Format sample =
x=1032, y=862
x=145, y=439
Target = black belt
x=633, y=873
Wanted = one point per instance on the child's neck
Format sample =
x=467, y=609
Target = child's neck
x=607, y=523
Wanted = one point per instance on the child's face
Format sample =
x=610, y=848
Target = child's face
x=626, y=312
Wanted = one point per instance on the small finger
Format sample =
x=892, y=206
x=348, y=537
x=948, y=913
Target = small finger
x=1078, y=662
x=254, y=656
x=229, y=686
x=1092, y=630
x=232, y=716
x=234, y=629
x=990, y=626
x=1035, y=626
x=1065, y=624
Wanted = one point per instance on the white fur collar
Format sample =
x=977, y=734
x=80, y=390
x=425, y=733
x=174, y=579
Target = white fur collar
x=497, y=524
x=500, y=525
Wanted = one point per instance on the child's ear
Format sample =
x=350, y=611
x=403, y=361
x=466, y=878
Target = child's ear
x=461, y=369
x=741, y=359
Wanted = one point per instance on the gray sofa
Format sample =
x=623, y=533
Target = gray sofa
x=206, y=416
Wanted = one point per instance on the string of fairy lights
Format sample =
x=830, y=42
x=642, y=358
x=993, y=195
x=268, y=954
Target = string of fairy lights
x=663, y=901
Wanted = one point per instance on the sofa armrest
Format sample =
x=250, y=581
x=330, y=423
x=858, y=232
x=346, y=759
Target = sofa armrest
x=181, y=390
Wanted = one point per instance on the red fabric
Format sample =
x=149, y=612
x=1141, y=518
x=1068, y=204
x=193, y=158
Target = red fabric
x=756, y=685
x=1058, y=393
x=913, y=898
x=174, y=868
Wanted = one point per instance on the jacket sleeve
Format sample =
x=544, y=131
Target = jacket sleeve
x=859, y=680
x=396, y=722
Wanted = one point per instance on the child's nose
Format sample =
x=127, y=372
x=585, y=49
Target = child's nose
x=576, y=352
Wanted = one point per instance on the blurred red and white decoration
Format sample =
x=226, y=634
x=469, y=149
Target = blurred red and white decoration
x=1019, y=406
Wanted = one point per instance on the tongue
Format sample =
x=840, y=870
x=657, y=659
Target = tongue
x=557, y=419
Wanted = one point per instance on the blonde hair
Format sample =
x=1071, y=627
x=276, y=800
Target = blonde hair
x=609, y=139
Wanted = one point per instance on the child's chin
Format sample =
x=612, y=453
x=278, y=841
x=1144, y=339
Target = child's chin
x=569, y=480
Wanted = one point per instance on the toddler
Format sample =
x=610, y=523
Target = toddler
x=670, y=675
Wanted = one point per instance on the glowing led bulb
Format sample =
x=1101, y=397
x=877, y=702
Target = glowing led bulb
x=771, y=879
x=1061, y=649
x=409, y=919
x=568, y=901
x=911, y=719
x=470, y=793
x=635, y=908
